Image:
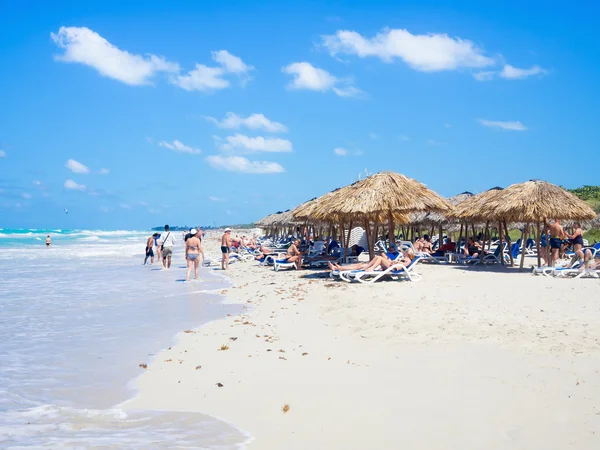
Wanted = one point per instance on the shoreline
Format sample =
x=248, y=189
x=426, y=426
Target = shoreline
x=460, y=367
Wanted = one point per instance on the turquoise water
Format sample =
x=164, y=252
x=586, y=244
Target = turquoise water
x=77, y=319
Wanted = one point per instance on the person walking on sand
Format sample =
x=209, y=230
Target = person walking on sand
x=192, y=254
x=557, y=234
x=149, y=251
x=225, y=248
x=48, y=241
x=166, y=242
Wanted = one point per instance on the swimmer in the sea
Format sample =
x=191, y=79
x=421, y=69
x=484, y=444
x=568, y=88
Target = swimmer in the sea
x=48, y=242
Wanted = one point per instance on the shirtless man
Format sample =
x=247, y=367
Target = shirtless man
x=48, y=241
x=294, y=255
x=557, y=234
x=225, y=248
x=149, y=251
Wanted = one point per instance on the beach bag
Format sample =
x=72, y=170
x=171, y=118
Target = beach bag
x=162, y=246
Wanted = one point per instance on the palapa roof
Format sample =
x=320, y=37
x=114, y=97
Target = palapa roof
x=376, y=196
x=470, y=210
x=535, y=201
x=435, y=217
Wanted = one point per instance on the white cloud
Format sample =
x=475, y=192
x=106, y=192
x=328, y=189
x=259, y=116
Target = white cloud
x=2, y=154
x=103, y=209
x=26, y=195
x=154, y=211
x=510, y=73
x=373, y=136
x=241, y=164
x=37, y=183
x=230, y=63
x=103, y=171
x=178, y=146
x=206, y=78
x=513, y=73
x=484, y=75
x=84, y=46
x=124, y=206
x=404, y=138
x=339, y=151
x=257, y=144
x=202, y=78
x=70, y=184
x=76, y=166
x=306, y=76
x=513, y=126
x=447, y=125
x=253, y=122
x=216, y=199
x=425, y=52
x=349, y=91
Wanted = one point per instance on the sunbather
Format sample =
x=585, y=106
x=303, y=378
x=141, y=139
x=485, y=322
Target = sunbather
x=427, y=244
x=294, y=255
x=449, y=246
x=381, y=260
x=264, y=251
x=472, y=248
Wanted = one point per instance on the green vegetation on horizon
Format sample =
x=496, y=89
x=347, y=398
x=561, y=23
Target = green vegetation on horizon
x=590, y=194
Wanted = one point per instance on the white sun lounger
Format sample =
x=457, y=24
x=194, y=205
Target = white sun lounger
x=396, y=271
x=283, y=264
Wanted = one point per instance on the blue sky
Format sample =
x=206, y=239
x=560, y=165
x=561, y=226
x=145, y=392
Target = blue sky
x=134, y=114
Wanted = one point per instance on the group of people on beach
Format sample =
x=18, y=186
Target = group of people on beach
x=164, y=243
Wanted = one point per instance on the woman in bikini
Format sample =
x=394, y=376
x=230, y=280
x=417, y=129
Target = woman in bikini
x=383, y=260
x=294, y=255
x=192, y=253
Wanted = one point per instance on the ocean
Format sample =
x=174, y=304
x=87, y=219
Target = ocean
x=77, y=319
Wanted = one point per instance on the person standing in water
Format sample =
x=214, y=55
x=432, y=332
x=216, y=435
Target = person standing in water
x=149, y=251
x=166, y=242
x=225, y=248
x=48, y=241
x=200, y=235
x=192, y=254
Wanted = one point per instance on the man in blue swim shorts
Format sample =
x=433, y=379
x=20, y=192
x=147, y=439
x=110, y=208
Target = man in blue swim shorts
x=557, y=234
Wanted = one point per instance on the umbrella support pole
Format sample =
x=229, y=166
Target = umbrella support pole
x=523, y=239
x=392, y=231
x=537, y=244
x=508, y=241
x=501, y=242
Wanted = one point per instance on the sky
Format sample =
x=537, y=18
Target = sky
x=141, y=113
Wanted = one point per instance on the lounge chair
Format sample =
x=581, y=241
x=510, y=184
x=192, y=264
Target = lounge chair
x=283, y=264
x=491, y=258
x=362, y=276
x=397, y=271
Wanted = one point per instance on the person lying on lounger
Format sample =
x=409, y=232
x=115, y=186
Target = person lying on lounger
x=264, y=251
x=382, y=260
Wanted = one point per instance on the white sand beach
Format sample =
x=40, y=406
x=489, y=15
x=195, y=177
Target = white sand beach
x=467, y=358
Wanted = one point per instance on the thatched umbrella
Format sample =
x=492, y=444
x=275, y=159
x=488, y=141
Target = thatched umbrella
x=436, y=218
x=536, y=201
x=470, y=211
x=383, y=196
